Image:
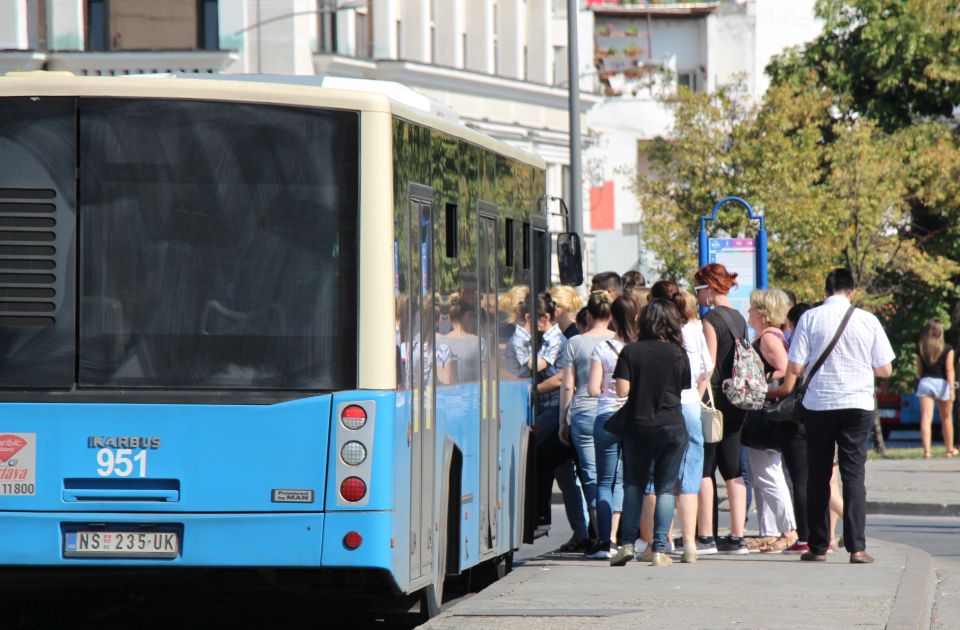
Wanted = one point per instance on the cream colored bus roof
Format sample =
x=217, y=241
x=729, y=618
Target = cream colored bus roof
x=280, y=90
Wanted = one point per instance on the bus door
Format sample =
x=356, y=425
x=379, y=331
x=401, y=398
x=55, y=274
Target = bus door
x=489, y=398
x=422, y=389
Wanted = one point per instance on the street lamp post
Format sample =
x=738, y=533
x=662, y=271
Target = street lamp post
x=573, y=72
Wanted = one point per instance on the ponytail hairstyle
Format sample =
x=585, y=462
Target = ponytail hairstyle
x=666, y=290
x=599, y=304
x=625, y=313
x=931, y=341
x=546, y=306
x=660, y=320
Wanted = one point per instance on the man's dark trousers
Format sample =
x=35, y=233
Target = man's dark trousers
x=848, y=429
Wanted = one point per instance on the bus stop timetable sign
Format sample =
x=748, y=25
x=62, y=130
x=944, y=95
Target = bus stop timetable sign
x=739, y=256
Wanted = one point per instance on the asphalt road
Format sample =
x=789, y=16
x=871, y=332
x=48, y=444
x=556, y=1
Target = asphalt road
x=940, y=537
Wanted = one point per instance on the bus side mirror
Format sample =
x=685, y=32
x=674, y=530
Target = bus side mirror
x=570, y=259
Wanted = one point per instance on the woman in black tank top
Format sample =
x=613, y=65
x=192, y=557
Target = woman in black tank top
x=936, y=369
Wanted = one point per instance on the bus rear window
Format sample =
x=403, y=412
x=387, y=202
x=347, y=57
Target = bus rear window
x=218, y=245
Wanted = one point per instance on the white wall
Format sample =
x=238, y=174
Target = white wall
x=684, y=39
x=13, y=26
x=780, y=25
x=731, y=32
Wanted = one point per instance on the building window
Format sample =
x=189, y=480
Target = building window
x=208, y=25
x=327, y=26
x=687, y=80
x=98, y=34
x=451, y=230
x=508, y=241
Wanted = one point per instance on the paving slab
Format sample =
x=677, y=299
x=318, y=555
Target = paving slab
x=559, y=591
x=919, y=487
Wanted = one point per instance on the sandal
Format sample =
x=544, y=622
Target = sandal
x=778, y=545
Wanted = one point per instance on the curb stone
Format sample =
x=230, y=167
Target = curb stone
x=913, y=603
x=913, y=509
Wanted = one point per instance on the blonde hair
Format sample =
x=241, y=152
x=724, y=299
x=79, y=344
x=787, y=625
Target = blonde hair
x=772, y=304
x=640, y=295
x=931, y=341
x=692, y=305
x=567, y=298
x=512, y=300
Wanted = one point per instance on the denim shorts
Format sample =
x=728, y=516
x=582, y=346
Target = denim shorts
x=934, y=388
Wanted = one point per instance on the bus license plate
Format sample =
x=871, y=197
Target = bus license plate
x=101, y=544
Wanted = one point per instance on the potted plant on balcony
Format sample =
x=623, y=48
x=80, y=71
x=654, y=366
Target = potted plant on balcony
x=604, y=29
x=606, y=52
x=631, y=31
x=632, y=50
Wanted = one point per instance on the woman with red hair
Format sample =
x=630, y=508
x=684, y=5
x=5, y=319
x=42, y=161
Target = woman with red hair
x=722, y=326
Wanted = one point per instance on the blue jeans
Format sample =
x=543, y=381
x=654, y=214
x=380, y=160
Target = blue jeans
x=664, y=447
x=609, y=476
x=565, y=472
x=581, y=436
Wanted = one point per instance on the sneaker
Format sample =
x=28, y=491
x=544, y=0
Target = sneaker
x=574, y=545
x=624, y=555
x=734, y=545
x=706, y=545
x=659, y=559
x=797, y=548
x=598, y=551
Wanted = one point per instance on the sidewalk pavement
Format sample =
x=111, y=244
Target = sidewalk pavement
x=560, y=591
x=564, y=591
x=914, y=487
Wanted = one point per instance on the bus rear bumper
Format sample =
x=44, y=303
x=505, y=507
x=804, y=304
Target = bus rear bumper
x=205, y=540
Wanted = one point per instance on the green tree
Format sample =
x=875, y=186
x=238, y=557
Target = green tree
x=897, y=60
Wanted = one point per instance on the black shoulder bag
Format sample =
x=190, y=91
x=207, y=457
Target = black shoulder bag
x=787, y=409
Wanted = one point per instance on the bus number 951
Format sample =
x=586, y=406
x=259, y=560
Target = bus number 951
x=121, y=462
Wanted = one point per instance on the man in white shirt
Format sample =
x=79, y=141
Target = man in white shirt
x=838, y=410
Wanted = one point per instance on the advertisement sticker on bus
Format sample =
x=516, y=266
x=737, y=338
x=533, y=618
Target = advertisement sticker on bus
x=18, y=464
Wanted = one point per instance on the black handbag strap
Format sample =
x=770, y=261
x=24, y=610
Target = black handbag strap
x=729, y=321
x=826, y=351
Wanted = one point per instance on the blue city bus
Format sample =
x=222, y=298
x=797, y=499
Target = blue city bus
x=254, y=323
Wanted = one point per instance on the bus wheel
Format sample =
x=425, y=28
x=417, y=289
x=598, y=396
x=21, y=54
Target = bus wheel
x=431, y=597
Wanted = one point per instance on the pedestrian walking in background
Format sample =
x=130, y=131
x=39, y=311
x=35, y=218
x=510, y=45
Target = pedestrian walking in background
x=778, y=528
x=578, y=409
x=722, y=326
x=936, y=369
x=606, y=445
x=652, y=373
x=838, y=408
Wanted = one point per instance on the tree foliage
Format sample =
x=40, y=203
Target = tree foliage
x=835, y=190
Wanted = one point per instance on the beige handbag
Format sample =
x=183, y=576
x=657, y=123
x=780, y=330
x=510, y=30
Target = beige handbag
x=712, y=420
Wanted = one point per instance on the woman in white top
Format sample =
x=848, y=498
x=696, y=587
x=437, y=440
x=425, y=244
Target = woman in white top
x=606, y=445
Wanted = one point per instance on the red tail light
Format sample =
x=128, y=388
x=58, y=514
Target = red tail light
x=352, y=540
x=353, y=417
x=353, y=489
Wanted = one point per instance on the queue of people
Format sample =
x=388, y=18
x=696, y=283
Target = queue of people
x=621, y=405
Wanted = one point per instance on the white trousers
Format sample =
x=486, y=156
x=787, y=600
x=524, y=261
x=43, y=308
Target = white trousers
x=774, y=505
